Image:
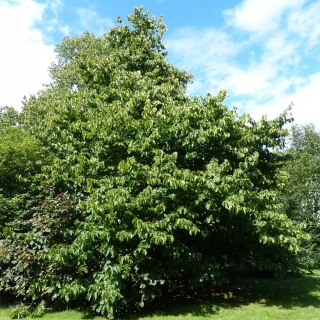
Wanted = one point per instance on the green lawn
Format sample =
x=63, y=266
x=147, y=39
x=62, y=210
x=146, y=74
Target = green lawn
x=252, y=298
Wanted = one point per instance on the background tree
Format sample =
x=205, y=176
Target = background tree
x=20, y=159
x=302, y=196
x=148, y=187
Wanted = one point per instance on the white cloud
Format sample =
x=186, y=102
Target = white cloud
x=213, y=54
x=306, y=102
x=65, y=30
x=205, y=52
x=265, y=55
x=260, y=16
x=55, y=5
x=90, y=21
x=24, y=56
x=187, y=40
x=306, y=23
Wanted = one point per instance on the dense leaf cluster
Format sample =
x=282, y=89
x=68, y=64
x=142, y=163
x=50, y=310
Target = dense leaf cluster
x=145, y=186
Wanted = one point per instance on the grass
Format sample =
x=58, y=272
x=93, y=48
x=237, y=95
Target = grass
x=251, y=298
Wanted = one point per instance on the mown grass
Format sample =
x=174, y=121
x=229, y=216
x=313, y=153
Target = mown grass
x=253, y=298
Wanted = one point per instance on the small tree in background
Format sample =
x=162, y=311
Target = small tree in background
x=149, y=186
x=20, y=159
x=302, y=195
x=19, y=153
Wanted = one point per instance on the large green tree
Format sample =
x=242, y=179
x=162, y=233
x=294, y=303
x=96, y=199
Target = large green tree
x=149, y=186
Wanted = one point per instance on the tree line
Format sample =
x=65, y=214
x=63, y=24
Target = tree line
x=117, y=186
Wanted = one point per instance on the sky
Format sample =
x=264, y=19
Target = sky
x=266, y=54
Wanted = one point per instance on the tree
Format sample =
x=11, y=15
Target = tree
x=20, y=159
x=19, y=153
x=149, y=186
x=302, y=196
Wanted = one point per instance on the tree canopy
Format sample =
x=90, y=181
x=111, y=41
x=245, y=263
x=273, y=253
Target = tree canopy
x=147, y=187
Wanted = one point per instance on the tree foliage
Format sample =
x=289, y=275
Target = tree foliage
x=148, y=186
x=20, y=159
x=19, y=153
x=302, y=195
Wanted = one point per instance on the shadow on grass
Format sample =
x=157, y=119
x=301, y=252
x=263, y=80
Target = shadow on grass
x=6, y=300
x=286, y=293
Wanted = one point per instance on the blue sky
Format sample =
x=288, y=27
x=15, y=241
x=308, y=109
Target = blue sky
x=265, y=53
